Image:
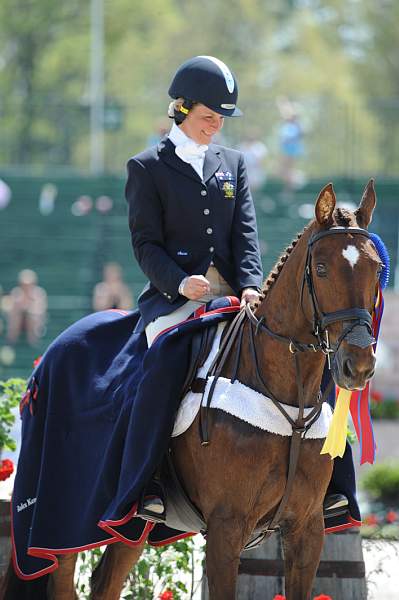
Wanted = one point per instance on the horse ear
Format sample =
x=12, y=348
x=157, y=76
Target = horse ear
x=325, y=205
x=364, y=213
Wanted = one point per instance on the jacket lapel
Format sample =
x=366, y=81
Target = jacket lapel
x=166, y=150
x=212, y=162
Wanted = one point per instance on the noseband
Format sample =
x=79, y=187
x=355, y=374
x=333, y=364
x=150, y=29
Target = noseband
x=357, y=322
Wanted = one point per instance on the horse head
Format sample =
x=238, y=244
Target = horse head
x=341, y=276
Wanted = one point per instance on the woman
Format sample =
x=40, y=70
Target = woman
x=191, y=214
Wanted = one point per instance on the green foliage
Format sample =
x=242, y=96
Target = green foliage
x=168, y=567
x=333, y=57
x=11, y=392
x=388, y=409
x=382, y=482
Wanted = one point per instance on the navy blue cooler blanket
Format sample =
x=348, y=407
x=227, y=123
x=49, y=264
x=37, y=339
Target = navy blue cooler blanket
x=96, y=422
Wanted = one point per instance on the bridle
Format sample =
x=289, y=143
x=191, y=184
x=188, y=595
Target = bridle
x=357, y=330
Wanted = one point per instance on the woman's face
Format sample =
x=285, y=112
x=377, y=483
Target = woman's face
x=201, y=124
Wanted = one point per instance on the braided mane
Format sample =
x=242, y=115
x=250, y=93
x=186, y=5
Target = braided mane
x=342, y=217
x=276, y=270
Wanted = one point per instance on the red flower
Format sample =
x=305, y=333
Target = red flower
x=279, y=597
x=391, y=516
x=166, y=595
x=371, y=520
x=37, y=361
x=376, y=396
x=322, y=597
x=6, y=469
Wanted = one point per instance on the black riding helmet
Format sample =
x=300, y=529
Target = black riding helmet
x=207, y=80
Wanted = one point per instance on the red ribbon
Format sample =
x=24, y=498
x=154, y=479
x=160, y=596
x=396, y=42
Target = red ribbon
x=360, y=399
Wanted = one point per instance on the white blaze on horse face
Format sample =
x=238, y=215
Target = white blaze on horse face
x=351, y=253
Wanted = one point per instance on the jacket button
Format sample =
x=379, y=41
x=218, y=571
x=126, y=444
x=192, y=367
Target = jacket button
x=206, y=211
x=203, y=192
x=211, y=248
x=209, y=230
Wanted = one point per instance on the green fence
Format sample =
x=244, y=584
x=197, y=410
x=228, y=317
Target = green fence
x=68, y=251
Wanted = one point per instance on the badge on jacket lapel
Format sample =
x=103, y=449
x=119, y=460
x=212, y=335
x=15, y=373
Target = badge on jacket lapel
x=228, y=189
x=226, y=183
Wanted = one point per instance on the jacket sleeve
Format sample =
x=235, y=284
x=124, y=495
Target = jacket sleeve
x=146, y=227
x=245, y=244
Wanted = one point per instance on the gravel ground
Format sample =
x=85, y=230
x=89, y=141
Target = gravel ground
x=382, y=569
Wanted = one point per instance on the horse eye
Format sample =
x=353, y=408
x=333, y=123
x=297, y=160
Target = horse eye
x=380, y=269
x=321, y=270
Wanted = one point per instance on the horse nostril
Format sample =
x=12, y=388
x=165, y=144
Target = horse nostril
x=347, y=368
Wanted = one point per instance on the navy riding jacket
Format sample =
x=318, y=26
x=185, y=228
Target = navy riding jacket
x=179, y=223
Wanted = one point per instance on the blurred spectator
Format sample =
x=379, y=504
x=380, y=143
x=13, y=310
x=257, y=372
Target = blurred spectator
x=255, y=153
x=112, y=292
x=291, y=145
x=5, y=194
x=26, y=309
x=48, y=195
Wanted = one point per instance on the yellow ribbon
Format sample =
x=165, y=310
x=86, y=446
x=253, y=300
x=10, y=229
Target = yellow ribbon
x=336, y=438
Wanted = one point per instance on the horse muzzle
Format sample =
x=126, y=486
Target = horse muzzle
x=353, y=367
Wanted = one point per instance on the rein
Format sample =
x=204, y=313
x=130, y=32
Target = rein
x=357, y=332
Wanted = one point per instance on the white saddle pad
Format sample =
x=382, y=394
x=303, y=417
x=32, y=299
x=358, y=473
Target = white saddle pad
x=244, y=403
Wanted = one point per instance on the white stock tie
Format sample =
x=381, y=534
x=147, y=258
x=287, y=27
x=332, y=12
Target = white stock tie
x=192, y=153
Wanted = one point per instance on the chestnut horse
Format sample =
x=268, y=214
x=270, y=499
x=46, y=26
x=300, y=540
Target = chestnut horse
x=323, y=283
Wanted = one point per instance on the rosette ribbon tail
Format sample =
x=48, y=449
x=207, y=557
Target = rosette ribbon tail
x=335, y=441
x=360, y=401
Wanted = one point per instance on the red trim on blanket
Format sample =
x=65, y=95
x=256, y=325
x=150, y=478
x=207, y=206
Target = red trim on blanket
x=149, y=526
x=170, y=540
x=199, y=315
x=50, y=553
x=108, y=527
x=351, y=523
x=124, y=519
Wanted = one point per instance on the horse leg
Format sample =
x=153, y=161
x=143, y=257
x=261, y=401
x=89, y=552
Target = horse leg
x=302, y=550
x=110, y=574
x=14, y=588
x=61, y=582
x=225, y=540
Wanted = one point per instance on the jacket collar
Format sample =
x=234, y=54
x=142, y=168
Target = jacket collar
x=212, y=162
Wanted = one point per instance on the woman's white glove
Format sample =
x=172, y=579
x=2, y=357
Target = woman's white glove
x=249, y=296
x=194, y=287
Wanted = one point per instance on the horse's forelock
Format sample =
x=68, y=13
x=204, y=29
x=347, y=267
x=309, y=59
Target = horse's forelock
x=343, y=217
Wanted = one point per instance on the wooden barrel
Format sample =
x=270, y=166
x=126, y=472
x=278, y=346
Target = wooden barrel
x=341, y=572
x=5, y=535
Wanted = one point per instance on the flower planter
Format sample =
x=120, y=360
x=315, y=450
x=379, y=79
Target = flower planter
x=341, y=573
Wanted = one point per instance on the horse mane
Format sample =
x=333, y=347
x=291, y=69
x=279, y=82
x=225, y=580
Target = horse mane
x=342, y=218
x=276, y=270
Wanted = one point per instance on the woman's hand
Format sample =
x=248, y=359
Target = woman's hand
x=195, y=287
x=249, y=296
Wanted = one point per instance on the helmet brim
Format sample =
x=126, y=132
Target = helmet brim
x=226, y=112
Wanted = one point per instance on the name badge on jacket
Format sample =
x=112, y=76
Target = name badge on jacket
x=226, y=183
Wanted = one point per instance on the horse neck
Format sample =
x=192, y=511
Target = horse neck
x=283, y=314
